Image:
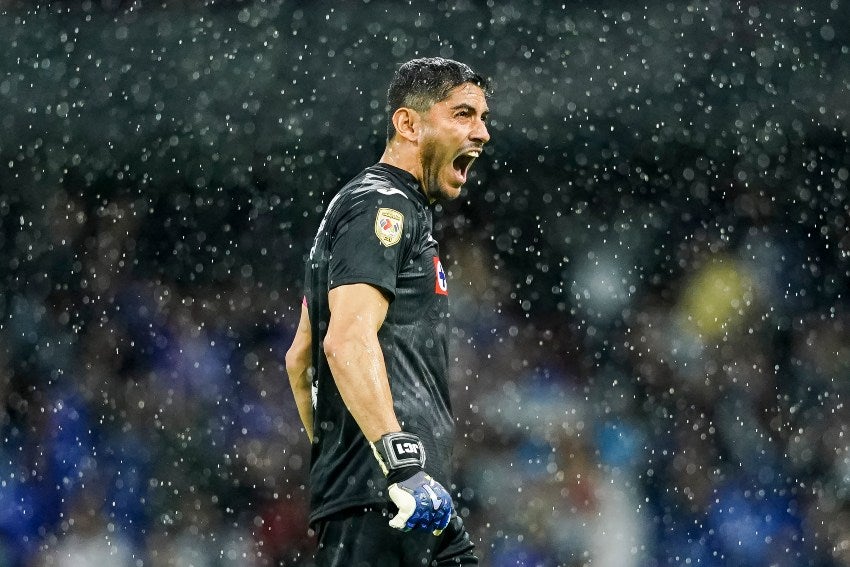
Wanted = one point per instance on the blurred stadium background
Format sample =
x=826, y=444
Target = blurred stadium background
x=648, y=274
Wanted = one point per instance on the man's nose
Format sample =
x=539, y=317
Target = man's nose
x=480, y=133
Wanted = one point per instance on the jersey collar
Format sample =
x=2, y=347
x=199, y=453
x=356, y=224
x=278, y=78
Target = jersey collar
x=409, y=182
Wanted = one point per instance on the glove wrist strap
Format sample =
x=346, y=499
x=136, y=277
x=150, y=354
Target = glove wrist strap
x=399, y=451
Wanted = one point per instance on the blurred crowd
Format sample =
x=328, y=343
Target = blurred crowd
x=149, y=421
x=702, y=423
x=155, y=427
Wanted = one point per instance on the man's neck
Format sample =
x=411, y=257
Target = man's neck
x=406, y=158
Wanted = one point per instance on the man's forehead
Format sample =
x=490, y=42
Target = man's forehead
x=467, y=93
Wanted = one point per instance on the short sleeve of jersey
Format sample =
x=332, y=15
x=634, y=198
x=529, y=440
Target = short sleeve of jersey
x=371, y=240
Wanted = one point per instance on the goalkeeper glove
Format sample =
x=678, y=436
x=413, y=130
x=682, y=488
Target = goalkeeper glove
x=422, y=501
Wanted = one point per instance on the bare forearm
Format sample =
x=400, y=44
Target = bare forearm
x=357, y=364
x=300, y=382
x=298, y=362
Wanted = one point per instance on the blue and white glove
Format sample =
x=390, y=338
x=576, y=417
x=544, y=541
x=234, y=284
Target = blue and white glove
x=422, y=502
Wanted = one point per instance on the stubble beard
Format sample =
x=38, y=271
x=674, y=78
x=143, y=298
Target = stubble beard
x=431, y=175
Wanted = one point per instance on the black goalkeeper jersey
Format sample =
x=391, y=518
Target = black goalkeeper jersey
x=377, y=230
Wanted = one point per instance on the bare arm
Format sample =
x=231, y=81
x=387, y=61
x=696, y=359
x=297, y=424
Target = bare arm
x=355, y=357
x=298, y=368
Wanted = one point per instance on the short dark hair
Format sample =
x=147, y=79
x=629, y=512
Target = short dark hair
x=420, y=83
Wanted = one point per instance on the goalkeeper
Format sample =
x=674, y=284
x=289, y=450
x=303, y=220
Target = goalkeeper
x=369, y=363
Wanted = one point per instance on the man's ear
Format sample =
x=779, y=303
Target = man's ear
x=407, y=123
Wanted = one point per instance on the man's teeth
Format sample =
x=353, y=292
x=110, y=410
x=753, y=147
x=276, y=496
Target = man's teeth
x=473, y=153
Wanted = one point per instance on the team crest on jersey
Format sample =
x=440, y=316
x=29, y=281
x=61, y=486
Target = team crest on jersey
x=389, y=224
x=441, y=285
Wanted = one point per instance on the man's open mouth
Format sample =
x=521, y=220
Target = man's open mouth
x=463, y=161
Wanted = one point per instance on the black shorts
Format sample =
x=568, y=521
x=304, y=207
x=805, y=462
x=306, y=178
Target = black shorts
x=363, y=538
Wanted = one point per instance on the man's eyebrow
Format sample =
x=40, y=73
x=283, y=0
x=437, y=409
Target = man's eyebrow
x=465, y=106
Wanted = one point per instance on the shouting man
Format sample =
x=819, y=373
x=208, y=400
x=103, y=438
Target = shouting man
x=369, y=363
